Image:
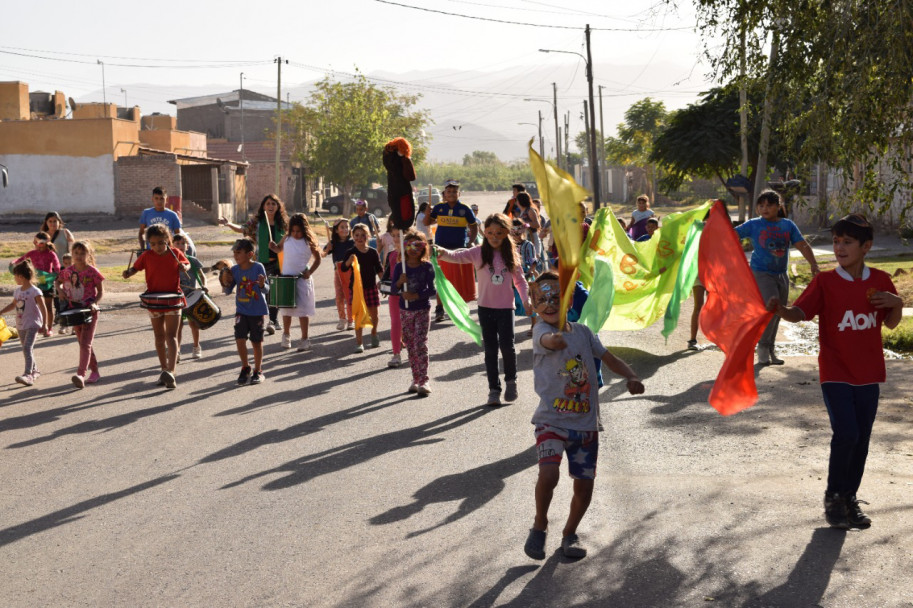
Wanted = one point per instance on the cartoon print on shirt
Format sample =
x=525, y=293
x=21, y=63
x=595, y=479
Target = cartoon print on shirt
x=576, y=389
x=246, y=291
x=775, y=241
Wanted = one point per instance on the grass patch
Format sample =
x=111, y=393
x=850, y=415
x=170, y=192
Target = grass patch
x=899, y=339
x=112, y=274
x=15, y=249
x=903, y=282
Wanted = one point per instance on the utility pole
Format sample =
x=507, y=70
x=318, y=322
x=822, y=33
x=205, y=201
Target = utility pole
x=541, y=144
x=557, y=134
x=602, y=163
x=241, y=103
x=278, y=119
x=589, y=78
x=589, y=140
x=567, y=154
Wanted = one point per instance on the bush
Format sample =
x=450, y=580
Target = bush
x=899, y=339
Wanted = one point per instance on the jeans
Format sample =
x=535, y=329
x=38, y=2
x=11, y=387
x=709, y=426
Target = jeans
x=498, y=334
x=852, y=412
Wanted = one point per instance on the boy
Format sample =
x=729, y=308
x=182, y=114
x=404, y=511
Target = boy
x=250, y=279
x=651, y=226
x=852, y=302
x=157, y=214
x=567, y=418
x=190, y=281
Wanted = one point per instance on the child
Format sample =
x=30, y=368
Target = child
x=300, y=247
x=567, y=417
x=637, y=226
x=81, y=286
x=698, y=291
x=391, y=259
x=388, y=241
x=163, y=265
x=250, y=279
x=771, y=235
x=369, y=264
x=31, y=309
x=66, y=260
x=529, y=261
x=498, y=271
x=190, y=281
x=415, y=287
x=852, y=302
x=340, y=247
x=44, y=259
x=651, y=226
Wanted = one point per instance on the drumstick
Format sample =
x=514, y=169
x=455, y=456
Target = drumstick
x=131, y=259
x=180, y=266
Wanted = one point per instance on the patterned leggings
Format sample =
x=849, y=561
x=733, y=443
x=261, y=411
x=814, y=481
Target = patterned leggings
x=415, y=335
x=85, y=334
x=343, y=297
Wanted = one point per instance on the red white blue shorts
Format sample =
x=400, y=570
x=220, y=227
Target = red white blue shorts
x=582, y=449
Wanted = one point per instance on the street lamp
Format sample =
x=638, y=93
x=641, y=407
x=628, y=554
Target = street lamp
x=541, y=145
x=594, y=164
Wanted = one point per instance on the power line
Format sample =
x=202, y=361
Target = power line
x=512, y=22
x=137, y=65
x=94, y=56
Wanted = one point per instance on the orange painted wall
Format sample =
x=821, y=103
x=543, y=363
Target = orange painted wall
x=88, y=137
x=14, y=101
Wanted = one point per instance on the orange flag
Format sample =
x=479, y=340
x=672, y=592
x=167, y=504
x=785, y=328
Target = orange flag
x=734, y=315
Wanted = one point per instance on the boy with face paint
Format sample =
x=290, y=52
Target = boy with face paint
x=567, y=417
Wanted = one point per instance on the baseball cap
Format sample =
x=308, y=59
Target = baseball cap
x=361, y=203
x=452, y=182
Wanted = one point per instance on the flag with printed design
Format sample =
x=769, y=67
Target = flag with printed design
x=684, y=282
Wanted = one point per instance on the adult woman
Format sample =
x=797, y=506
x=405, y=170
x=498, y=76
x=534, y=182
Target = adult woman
x=268, y=224
x=61, y=238
x=423, y=210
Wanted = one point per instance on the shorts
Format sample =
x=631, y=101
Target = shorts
x=158, y=314
x=249, y=326
x=582, y=449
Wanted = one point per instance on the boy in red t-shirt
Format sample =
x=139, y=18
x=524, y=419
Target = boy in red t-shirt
x=852, y=302
x=163, y=265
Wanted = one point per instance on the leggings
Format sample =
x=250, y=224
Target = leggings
x=415, y=333
x=396, y=333
x=341, y=279
x=27, y=339
x=85, y=334
x=498, y=334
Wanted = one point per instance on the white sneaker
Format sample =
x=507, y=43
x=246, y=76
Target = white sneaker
x=413, y=388
x=286, y=340
x=341, y=325
x=304, y=345
x=395, y=361
x=197, y=353
x=64, y=331
x=424, y=389
x=350, y=325
x=78, y=381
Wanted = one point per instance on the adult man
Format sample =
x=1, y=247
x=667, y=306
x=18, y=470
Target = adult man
x=157, y=214
x=454, y=220
x=363, y=217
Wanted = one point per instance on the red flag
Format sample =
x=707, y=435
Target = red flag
x=734, y=315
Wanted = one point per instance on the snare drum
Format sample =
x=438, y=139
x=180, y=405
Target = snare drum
x=75, y=316
x=385, y=287
x=161, y=302
x=202, y=309
x=283, y=291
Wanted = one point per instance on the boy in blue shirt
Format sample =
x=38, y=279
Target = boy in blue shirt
x=250, y=279
x=157, y=214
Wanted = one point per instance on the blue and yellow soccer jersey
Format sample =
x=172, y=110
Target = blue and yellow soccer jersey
x=452, y=224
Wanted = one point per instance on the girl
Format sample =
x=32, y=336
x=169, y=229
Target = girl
x=31, y=309
x=529, y=215
x=80, y=286
x=415, y=286
x=423, y=210
x=61, y=238
x=66, y=260
x=637, y=226
x=266, y=226
x=300, y=247
x=388, y=241
x=370, y=267
x=44, y=259
x=190, y=282
x=163, y=265
x=771, y=234
x=340, y=246
x=391, y=258
x=529, y=261
x=498, y=271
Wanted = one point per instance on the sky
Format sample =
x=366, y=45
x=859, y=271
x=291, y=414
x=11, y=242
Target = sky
x=474, y=61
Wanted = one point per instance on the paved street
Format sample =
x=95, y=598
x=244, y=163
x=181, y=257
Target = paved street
x=328, y=485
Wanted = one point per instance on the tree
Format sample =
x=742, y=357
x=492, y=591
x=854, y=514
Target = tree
x=644, y=121
x=480, y=157
x=341, y=131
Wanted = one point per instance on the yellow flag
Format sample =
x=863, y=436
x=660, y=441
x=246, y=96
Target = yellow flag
x=359, y=306
x=562, y=197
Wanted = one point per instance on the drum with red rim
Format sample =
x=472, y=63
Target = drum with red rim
x=162, y=301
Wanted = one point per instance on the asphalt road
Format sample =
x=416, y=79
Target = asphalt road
x=329, y=485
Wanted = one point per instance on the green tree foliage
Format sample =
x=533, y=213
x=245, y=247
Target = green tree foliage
x=341, y=131
x=481, y=171
x=480, y=157
x=843, y=78
x=644, y=121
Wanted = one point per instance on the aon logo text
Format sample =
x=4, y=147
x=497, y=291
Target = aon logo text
x=860, y=321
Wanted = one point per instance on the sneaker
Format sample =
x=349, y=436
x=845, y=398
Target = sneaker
x=395, y=360
x=413, y=388
x=350, y=325
x=304, y=345
x=854, y=513
x=359, y=348
x=835, y=511
x=374, y=341
x=341, y=325
x=244, y=376
x=25, y=380
x=535, y=544
x=78, y=381
x=572, y=547
x=692, y=345
x=270, y=329
x=286, y=340
x=170, y=381
x=438, y=316
x=197, y=353
x=494, y=398
x=35, y=374
x=93, y=377
x=510, y=391
x=162, y=376
x=423, y=389
x=63, y=331
x=257, y=378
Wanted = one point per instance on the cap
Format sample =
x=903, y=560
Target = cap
x=361, y=203
x=452, y=182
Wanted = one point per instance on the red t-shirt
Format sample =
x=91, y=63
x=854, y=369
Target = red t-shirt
x=849, y=327
x=162, y=272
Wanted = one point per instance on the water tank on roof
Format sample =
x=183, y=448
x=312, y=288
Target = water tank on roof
x=41, y=103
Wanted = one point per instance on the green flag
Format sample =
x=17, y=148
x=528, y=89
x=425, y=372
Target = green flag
x=598, y=305
x=687, y=273
x=453, y=302
x=643, y=273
